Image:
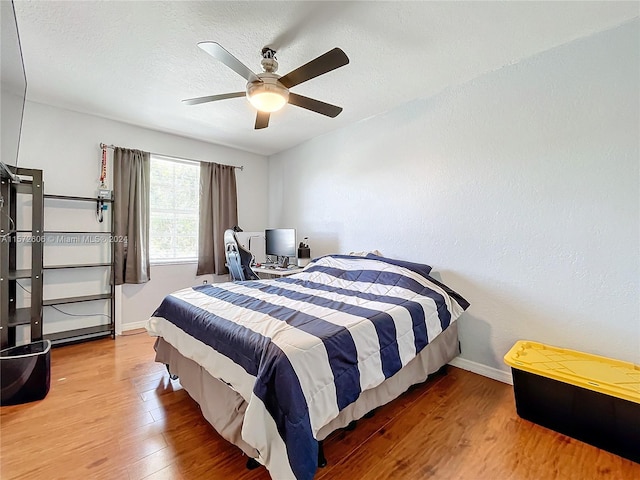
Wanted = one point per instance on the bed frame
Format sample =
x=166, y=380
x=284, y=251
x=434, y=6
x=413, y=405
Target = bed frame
x=224, y=408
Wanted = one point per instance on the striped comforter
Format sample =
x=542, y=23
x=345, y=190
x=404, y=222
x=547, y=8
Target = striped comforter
x=301, y=348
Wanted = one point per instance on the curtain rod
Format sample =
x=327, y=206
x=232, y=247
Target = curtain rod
x=104, y=145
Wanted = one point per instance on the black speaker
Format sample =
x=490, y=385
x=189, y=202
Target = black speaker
x=304, y=254
x=25, y=373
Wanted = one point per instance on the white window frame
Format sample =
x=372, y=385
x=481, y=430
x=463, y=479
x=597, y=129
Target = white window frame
x=175, y=261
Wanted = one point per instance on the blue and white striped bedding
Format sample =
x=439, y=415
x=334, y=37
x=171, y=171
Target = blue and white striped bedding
x=301, y=348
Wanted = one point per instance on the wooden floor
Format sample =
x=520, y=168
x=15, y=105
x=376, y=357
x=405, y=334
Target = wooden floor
x=112, y=413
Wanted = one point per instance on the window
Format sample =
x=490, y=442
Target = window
x=175, y=192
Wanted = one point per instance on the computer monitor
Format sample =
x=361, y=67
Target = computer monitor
x=281, y=242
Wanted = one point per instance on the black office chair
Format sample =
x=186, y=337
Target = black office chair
x=238, y=258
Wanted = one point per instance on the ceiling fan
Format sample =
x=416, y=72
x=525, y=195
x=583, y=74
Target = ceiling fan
x=267, y=91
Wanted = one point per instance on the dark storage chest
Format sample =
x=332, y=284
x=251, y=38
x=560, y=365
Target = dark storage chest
x=591, y=398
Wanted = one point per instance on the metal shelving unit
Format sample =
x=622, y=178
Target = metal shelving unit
x=11, y=316
x=93, y=332
x=80, y=335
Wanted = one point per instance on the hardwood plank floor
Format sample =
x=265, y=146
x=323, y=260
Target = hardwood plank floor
x=113, y=413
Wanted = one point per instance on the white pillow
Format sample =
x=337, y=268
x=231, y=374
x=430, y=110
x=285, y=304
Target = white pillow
x=364, y=254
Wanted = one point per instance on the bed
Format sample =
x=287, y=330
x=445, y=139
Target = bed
x=277, y=365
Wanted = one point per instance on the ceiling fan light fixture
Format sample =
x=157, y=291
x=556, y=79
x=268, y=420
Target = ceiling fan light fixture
x=267, y=96
x=268, y=92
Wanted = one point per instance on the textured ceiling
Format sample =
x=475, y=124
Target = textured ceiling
x=134, y=61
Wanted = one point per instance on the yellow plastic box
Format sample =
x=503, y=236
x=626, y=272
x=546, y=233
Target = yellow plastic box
x=594, y=399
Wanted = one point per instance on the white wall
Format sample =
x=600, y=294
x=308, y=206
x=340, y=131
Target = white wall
x=65, y=145
x=520, y=188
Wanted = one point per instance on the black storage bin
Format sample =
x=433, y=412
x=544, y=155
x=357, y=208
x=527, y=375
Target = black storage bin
x=604, y=421
x=25, y=373
x=591, y=398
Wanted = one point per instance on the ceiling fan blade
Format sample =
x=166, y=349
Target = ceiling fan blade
x=262, y=120
x=314, y=105
x=331, y=60
x=213, y=98
x=219, y=53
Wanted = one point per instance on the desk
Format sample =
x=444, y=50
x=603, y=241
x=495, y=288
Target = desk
x=275, y=272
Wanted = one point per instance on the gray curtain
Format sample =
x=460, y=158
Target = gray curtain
x=131, y=172
x=218, y=212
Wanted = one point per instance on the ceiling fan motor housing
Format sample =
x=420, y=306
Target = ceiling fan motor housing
x=269, y=62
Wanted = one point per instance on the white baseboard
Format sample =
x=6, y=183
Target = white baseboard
x=133, y=325
x=494, y=373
